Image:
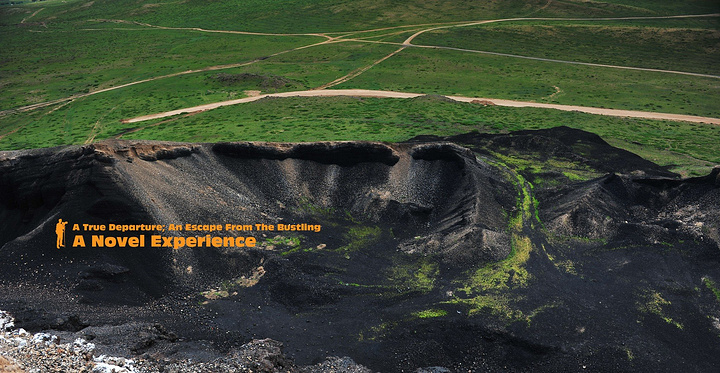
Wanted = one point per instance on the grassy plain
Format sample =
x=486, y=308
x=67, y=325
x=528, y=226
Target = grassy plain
x=452, y=72
x=684, y=49
x=66, y=61
x=293, y=16
x=80, y=46
x=683, y=146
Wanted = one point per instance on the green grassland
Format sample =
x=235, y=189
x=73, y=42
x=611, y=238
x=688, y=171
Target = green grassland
x=79, y=120
x=690, y=50
x=685, y=147
x=65, y=62
x=311, y=119
x=322, y=64
x=451, y=72
x=61, y=50
x=343, y=15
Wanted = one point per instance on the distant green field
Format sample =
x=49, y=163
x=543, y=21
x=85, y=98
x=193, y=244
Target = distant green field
x=67, y=61
x=682, y=49
x=298, y=70
x=341, y=15
x=59, y=49
x=322, y=64
x=479, y=75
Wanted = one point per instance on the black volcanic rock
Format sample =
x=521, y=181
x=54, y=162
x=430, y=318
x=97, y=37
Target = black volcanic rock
x=435, y=200
x=636, y=209
x=339, y=153
x=430, y=256
x=563, y=142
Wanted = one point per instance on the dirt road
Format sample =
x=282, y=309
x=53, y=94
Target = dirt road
x=409, y=40
x=407, y=43
x=392, y=94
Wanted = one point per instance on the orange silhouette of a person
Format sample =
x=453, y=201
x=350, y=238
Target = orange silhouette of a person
x=60, y=231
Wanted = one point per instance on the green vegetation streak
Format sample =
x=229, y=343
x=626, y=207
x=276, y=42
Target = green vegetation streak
x=710, y=284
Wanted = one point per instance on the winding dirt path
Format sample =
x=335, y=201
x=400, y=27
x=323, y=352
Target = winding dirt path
x=569, y=62
x=409, y=41
x=475, y=23
x=32, y=15
x=205, y=69
x=208, y=30
x=359, y=71
x=393, y=94
x=405, y=44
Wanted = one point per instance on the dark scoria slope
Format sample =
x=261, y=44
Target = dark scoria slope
x=553, y=156
x=435, y=189
x=369, y=198
x=428, y=255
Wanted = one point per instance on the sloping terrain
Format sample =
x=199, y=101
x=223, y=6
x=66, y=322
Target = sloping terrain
x=543, y=250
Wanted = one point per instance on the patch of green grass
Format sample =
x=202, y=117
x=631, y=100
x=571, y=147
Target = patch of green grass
x=288, y=245
x=629, y=354
x=505, y=274
x=531, y=315
x=377, y=332
x=359, y=237
x=536, y=210
x=573, y=177
x=502, y=306
x=710, y=284
x=532, y=166
x=677, y=154
x=653, y=303
x=306, y=205
x=568, y=266
x=429, y=314
x=495, y=304
x=409, y=276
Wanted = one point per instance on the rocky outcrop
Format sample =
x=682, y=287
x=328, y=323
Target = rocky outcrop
x=638, y=210
x=434, y=190
x=101, y=349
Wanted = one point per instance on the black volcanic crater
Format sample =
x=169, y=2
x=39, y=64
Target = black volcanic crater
x=490, y=255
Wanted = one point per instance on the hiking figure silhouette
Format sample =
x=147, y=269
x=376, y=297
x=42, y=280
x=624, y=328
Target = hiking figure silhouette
x=60, y=231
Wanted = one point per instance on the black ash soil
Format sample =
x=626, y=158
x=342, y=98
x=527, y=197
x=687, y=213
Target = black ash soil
x=532, y=251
